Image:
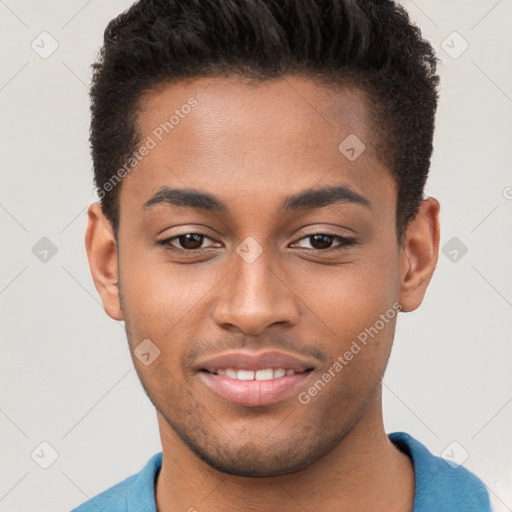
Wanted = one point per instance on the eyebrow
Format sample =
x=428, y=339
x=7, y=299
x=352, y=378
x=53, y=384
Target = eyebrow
x=306, y=200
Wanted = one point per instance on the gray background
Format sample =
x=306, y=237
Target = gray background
x=66, y=374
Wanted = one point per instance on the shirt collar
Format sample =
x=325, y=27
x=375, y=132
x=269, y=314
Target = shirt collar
x=141, y=497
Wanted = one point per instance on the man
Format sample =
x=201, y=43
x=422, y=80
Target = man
x=261, y=168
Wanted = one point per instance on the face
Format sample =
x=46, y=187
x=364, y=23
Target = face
x=255, y=285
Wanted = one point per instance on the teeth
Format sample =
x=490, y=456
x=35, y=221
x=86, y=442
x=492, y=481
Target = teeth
x=245, y=375
x=266, y=374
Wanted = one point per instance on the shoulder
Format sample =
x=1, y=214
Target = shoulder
x=441, y=485
x=133, y=493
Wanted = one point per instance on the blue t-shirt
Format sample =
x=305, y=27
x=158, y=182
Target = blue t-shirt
x=439, y=487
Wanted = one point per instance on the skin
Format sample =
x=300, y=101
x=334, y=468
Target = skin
x=251, y=146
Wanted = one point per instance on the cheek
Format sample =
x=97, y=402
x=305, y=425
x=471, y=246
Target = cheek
x=349, y=298
x=159, y=298
x=355, y=308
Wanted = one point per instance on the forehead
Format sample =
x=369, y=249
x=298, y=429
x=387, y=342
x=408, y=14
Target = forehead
x=258, y=141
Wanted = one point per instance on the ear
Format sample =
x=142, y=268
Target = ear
x=419, y=254
x=101, y=249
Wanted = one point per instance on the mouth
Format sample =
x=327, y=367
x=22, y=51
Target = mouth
x=255, y=379
x=260, y=375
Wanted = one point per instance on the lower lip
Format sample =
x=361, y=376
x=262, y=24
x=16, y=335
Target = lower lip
x=253, y=392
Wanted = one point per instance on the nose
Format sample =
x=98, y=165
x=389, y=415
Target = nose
x=256, y=295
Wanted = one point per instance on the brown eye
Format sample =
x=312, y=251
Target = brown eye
x=190, y=241
x=187, y=242
x=325, y=242
x=320, y=241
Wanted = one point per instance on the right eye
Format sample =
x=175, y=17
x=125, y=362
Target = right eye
x=189, y=242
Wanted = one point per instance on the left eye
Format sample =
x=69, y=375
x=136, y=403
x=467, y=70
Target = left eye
x=323, y=241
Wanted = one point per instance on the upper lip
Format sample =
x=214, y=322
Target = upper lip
x=246, y=360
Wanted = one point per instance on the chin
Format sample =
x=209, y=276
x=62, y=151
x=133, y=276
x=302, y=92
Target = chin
x=256, y=463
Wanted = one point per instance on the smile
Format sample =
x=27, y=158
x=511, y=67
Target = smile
x=266, y=374
x=254, y=378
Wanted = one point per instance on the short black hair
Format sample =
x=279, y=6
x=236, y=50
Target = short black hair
x=369, y=44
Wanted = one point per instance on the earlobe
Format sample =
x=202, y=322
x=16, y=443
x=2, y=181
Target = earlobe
x=419, y=254
x=101, y=249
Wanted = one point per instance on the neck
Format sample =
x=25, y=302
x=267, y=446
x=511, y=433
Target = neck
x=364, y=469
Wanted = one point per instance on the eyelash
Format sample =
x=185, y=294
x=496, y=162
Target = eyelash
x=344, y=242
